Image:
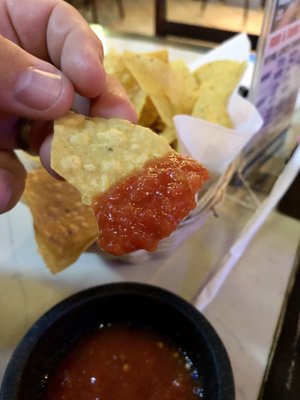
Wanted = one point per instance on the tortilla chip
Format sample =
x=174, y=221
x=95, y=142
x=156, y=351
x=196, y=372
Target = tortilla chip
x=162, y=55
x=148, y=115
x=217, y=81
x=171, y=86
x=95, y=153
x=212, y=107
x=115, y=66
x=222, y=76
x=187, y=87
x=154, y=77
x=63, y=226
x=169, y=134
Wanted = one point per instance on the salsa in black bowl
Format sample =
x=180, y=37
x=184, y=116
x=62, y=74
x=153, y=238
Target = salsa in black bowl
x=122, y=340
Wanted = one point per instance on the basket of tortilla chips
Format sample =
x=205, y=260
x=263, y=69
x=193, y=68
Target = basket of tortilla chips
x=134, y=188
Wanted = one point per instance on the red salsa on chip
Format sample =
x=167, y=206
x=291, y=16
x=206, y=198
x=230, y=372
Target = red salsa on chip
x=147, y=206
x=120, y=362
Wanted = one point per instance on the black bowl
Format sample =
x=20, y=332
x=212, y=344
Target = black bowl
x=51, y=336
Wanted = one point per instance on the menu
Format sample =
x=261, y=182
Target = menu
x=277, y=74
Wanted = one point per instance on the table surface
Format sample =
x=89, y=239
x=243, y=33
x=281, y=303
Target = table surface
x=245, y=311
x=282, y=374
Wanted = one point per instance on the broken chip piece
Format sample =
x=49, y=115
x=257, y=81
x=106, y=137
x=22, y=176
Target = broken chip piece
x=63, y=226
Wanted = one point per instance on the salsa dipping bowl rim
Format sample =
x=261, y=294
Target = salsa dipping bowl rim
x=122, y=302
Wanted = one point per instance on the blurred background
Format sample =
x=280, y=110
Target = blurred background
x=138, y=16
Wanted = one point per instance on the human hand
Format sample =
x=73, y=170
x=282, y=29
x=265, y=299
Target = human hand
x=47, y=54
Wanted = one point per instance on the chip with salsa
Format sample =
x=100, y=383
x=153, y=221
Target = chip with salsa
x=139, y=187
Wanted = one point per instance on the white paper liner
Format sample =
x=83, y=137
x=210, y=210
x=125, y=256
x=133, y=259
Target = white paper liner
x=235, y=49
x=211, y=144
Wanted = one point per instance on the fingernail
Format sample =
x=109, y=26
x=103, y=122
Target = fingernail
x=38, y=89
x=5, y=192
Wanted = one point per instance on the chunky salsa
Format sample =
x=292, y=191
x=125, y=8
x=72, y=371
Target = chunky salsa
x=124, y=363
x=148, y=205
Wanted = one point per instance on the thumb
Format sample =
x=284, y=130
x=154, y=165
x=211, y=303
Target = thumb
x=30, y=87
